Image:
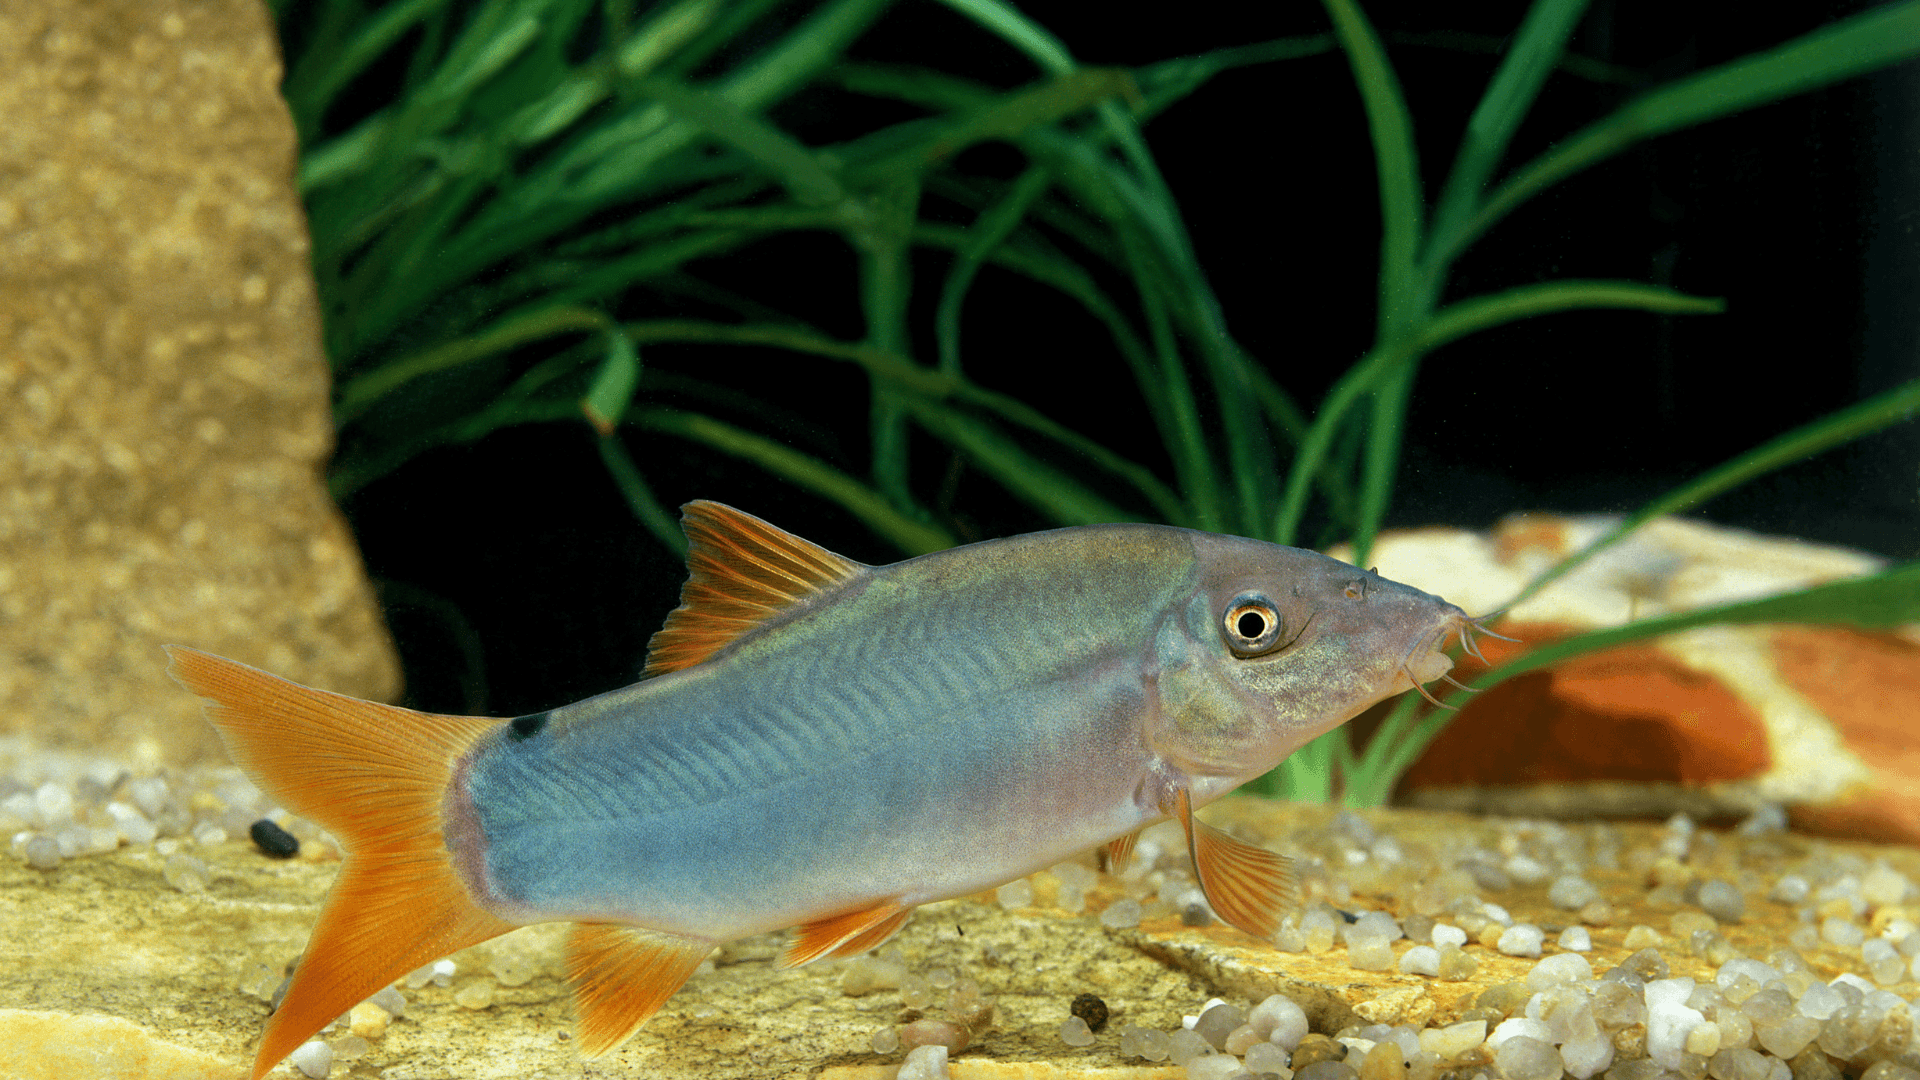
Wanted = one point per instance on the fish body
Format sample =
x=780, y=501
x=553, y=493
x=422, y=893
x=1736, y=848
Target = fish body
x=827, y=745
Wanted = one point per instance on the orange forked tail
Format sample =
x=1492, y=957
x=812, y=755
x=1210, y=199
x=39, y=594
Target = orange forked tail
x=375, y=776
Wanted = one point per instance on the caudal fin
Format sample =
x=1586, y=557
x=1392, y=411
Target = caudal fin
x=375, y=776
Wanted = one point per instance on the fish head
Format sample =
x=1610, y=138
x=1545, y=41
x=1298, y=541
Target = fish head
x=1277, y=645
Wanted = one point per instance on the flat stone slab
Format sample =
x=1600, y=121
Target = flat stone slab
x=103, y=952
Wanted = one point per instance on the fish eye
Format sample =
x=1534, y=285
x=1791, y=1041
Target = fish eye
x=1252, y=624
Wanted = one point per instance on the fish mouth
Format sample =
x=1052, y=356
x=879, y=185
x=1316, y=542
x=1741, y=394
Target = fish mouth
x=1428, y=660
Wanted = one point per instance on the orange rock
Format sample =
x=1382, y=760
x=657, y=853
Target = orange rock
x=1712, y=721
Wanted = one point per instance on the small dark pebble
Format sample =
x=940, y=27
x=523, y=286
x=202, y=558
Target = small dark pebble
x=274, y=840
x=1091, y=1009
x=1347, y=915
x=1195, y=915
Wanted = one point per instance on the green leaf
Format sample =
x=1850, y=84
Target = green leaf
x=911, y=536
x=1524, y=302
x=1834, y=429
x=1534, y=55
x=612, y=390
x=1855, y=46
x=796, y=166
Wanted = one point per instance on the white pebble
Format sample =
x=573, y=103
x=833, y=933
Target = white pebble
x=41, y=852
x=1369, y=952
x=391, y=1000
x=925, y=1063
x=188, y=874
x=1454, y=1039
x=1526, y=1058
x=1377, y=923
x=1121, y=914
x=1185, y=1045
x=133, y=824
x=1282, y=1021
x=1522, y=939
x=1448, y=935
x=1073, y=1031
x=1420, y=960
x=1266, y=1057
x=1790, y=889
x=54, y=805
x=1587, y=1053
x=1526, y=870
x=1213, y=1067
x=1722, y=901
x=1884, y=885
x=1820, y=1001
x=150, y=794
x=1015, y=894
x=1669, y=1020
x=1516, y=1026
x=1741, y=965
x=1575, y=939
x=1571, y=892
x=315, y=1060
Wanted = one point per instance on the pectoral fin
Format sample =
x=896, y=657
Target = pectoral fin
x=1248, y=886
x=849, y=933
x=621, y=975
x=1120, y=851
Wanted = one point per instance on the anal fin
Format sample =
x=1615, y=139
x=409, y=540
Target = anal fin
x=1120, y=851
x=846, y=934
x=621, y=975
x=1247, y=886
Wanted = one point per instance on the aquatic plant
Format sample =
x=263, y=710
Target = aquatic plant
x=481, y=237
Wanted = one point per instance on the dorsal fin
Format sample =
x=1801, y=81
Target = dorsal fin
x=741, y=573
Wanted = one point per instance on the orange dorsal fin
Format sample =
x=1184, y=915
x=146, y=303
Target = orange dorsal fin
x=1120, y=852
x=741, y=573
x=849, y=933
x=621, y=975
x=374, y=776
x=1247, y=886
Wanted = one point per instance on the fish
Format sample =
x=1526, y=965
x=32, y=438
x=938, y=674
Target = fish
x=824, y=745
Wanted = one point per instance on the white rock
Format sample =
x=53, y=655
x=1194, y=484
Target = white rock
x=1284, y=1022
x=1516, y=1026
x=1669, y=1020
x=314, y=1060
x=1557, y=969
x=1523, y=939
x=1420, y=960
x=1454, y=1039
x=925, y=1063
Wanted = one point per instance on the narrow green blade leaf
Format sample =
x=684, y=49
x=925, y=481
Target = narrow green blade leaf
x=1524, y=302
x=912, y=537
x=612, y=389
x=1854, y=46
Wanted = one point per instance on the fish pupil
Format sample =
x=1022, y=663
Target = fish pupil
x=1252, y=624
x=526, y=727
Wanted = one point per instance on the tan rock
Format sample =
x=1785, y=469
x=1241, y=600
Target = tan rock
x=182, y=969
x=167, y=397
x=1712, y=721
x=60, y=1046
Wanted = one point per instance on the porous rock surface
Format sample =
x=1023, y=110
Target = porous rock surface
x=102, y=942
x=166, y=397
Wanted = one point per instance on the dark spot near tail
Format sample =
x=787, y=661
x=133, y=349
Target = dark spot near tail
x=526, y=727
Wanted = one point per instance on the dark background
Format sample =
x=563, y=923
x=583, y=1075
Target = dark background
x=516, y=579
